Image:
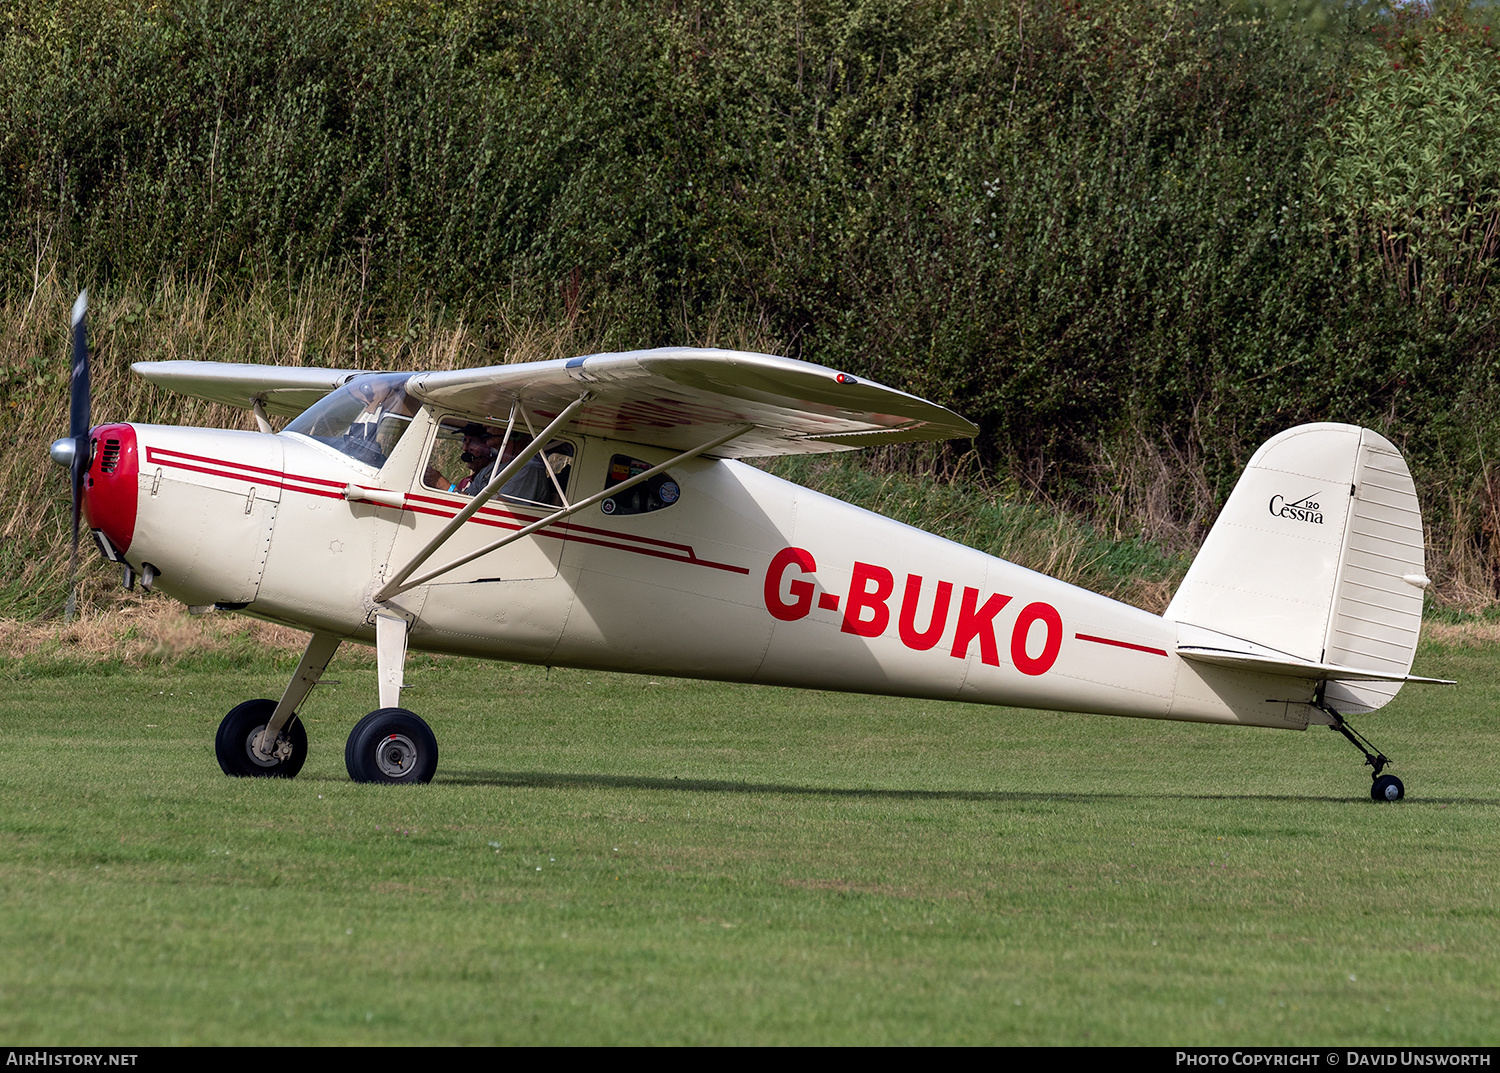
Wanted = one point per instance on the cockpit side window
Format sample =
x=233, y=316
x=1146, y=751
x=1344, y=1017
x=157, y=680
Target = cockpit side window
x=363, y=419
x=466, y=455
x=656, y=493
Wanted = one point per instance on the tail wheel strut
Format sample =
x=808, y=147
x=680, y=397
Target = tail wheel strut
x=1383, y=787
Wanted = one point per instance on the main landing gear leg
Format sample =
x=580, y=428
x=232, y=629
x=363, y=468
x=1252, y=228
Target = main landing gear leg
x=1383, y=787
x=265, y=738
x=391, y=744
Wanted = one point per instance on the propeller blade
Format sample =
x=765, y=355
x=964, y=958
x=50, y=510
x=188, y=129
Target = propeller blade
x=78, y=410
x=79, y=405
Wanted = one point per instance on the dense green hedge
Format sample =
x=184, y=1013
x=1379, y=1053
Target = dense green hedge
x=1130, y=239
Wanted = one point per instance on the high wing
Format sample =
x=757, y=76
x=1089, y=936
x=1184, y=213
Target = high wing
x=679, y=397
x=283, y=390
x=674, y=397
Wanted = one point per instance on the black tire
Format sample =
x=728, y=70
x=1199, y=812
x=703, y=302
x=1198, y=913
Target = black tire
x=391, y=745
x=1387, y=788
x=237, y=733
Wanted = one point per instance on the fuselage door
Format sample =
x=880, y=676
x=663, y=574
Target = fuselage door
x=463, y=456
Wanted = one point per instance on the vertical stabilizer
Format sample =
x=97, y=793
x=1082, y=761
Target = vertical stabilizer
x=1318, y=554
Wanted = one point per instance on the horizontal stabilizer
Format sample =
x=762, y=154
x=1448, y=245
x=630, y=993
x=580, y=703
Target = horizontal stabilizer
x=1292, y=667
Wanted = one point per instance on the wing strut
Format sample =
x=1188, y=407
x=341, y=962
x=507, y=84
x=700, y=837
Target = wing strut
x=398, y=584
x=394, y=586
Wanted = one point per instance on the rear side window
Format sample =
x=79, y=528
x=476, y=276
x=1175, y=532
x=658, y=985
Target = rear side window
x=657, y=493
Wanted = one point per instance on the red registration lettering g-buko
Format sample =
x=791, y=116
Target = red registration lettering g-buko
x=867, y=612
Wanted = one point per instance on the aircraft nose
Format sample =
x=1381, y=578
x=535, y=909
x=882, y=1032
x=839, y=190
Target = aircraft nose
x=112, y=484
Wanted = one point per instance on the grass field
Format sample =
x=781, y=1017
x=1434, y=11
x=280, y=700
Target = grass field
x=608, y=859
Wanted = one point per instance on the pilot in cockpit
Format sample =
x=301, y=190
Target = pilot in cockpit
x=480, y=445
x=486, y=451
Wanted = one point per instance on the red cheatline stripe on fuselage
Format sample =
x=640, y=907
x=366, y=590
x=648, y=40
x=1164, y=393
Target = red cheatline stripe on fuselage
x=239, y=471
x=1120, y=644
x=166, y=456
x=495, y=517
x=503, y=519
x=572, y=527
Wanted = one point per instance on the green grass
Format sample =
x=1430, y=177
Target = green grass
x=611, y=859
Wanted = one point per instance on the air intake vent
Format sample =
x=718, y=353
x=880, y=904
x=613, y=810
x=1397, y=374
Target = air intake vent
x=111, y=456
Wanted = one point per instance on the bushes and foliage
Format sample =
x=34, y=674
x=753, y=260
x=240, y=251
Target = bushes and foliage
x=1130, y=239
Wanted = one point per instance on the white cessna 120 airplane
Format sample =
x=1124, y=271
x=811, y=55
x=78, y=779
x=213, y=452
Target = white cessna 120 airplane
x=592, y=512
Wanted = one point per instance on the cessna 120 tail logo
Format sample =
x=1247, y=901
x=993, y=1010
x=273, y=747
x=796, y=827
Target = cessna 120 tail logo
x=1305, y=509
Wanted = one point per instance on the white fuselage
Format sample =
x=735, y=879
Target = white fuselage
x=745, y=577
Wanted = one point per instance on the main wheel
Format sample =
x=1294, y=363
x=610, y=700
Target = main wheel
x=235, y=743
x=391, y=745
x=1387, y=788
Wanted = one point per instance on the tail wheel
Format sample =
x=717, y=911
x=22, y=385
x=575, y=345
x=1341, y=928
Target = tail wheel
x=1384, y=787
x=1387, y=788
x=391, y=745
x=239, y=734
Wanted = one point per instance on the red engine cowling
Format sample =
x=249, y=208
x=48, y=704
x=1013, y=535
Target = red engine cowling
x=112, y=485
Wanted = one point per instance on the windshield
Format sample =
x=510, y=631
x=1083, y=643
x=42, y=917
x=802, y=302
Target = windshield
x=363, y=419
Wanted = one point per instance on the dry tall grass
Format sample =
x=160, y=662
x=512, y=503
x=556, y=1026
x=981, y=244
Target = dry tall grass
x=318, y=323
x=140, y=631
x=329, y=322
x=321, y=322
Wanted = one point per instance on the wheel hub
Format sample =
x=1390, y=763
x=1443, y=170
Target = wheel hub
x=395, y=756
x=279, y=751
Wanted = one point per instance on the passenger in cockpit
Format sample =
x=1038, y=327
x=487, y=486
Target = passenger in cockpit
x=533, y=484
